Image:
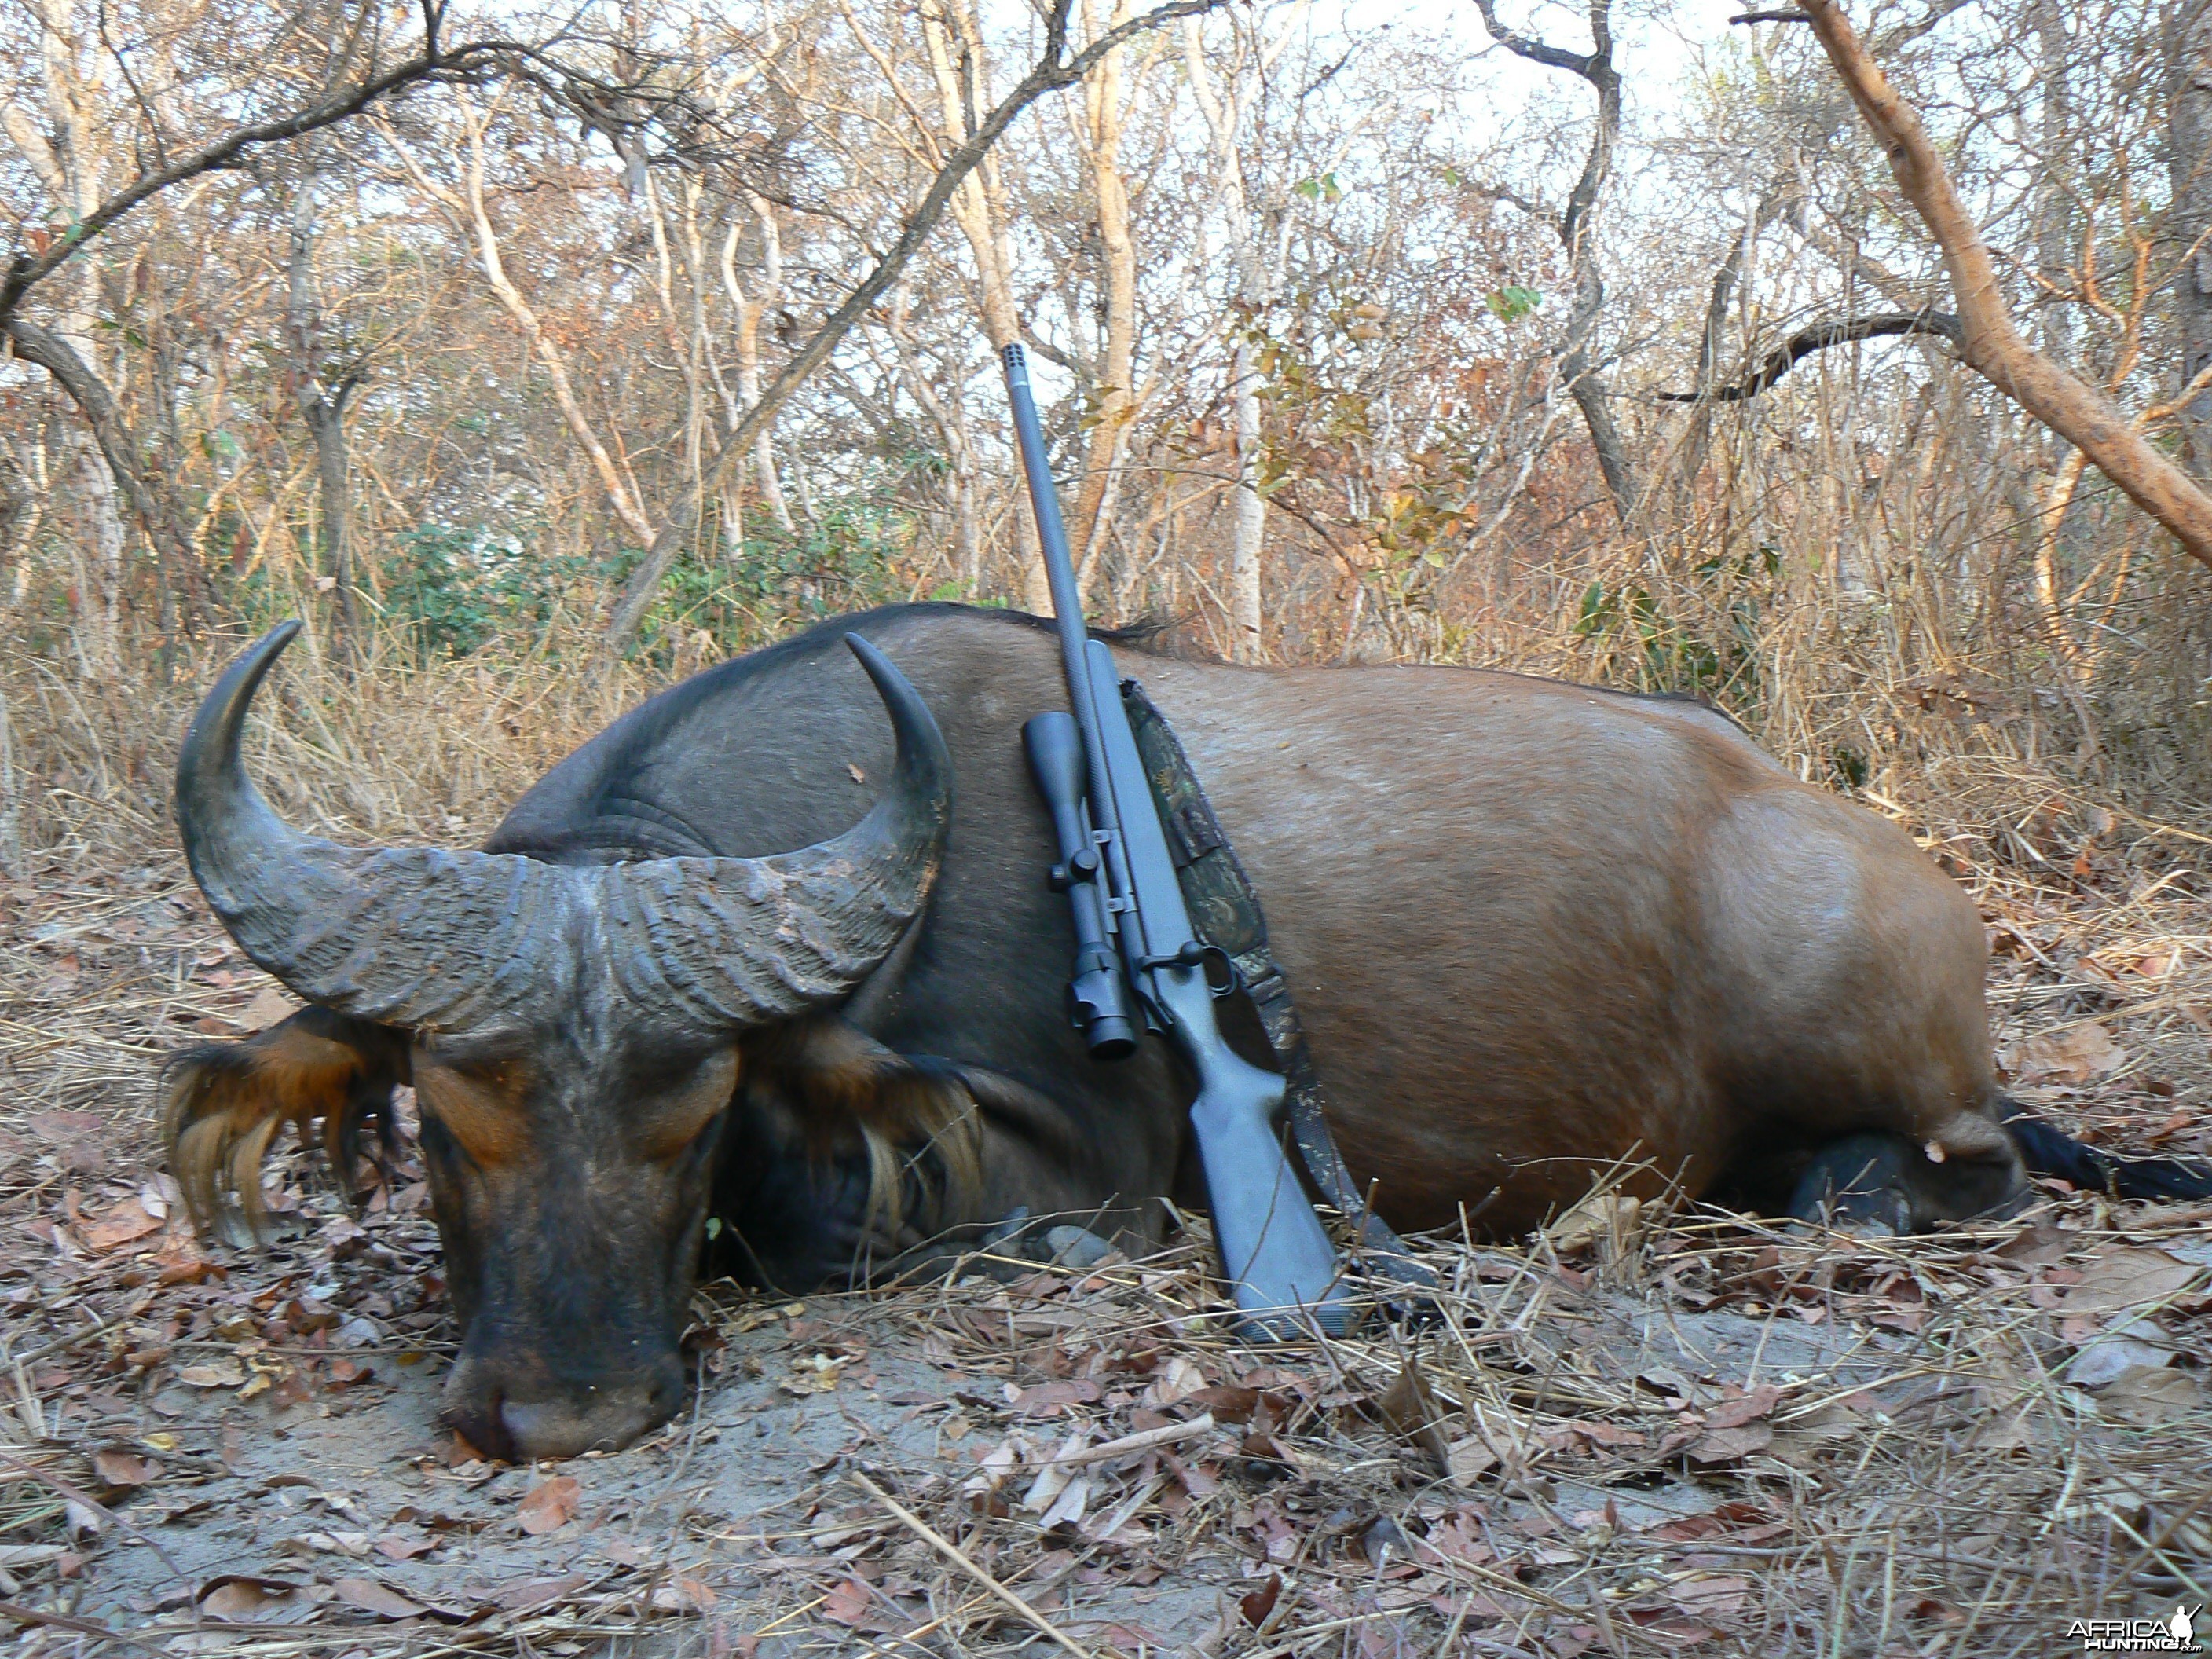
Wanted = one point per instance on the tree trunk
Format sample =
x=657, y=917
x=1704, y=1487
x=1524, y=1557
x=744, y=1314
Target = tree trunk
x=1577, y=227
x=2188, y=157
x=111, y=441
x=2054, y=230
x=1117, y=397
x=18, y=504
x=1988, y=343
x=750, y=308
x=323, y=412
x=70, y=164
x=467, y=205
x=1055, y=70
x=1248, y=543
x=948, y=26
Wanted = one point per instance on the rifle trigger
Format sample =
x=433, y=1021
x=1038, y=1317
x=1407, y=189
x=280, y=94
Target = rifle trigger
x=1222, y=978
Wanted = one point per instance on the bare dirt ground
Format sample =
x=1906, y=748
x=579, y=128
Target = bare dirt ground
x=1637, y=1434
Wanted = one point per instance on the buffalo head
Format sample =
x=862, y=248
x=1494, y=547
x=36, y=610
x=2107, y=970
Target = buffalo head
x=573, y=1034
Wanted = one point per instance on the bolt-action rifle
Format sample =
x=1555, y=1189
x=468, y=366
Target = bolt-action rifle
x=1139, y=961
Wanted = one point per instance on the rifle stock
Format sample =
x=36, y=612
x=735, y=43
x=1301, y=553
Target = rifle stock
x=1132, y=925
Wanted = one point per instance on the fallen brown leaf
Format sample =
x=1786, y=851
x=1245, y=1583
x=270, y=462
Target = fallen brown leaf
x=529, y=1593
x=847, y=1604
x=269, y=1006
x=240, y=1598
x=1714, y=1597
x=1728, y=1445
x=375, y=1598
x=1942, y=1612
x=549, y=1504
x=119, y=1226
x=685, y=1594
x=2149, y=1395
x=1501, y=1440
x=122, y=1468
x=1410, y=1408
x=2080, y=1054
x=1257, y=1604
x=1734, y=1413
x=1052, y=1399
x=1613, y=1219
x=2121, y=1276
x=1176, y=1378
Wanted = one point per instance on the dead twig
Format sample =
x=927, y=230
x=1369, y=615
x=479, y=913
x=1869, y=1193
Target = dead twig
x=953, y=1552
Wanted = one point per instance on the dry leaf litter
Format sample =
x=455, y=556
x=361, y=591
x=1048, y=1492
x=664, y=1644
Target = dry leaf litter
x=1647, y=1430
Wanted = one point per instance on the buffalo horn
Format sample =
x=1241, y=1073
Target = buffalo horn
x=454, y=942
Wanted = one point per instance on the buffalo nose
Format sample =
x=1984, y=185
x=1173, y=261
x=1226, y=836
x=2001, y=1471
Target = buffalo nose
x=605, y=1420
x=482, y=1424
x=518, y=1409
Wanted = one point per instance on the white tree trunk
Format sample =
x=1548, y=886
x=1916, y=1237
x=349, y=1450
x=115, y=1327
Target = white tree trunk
x=1247, y=642
x=68, y=161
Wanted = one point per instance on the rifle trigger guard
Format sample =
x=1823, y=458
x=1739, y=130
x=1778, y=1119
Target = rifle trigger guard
x=1222, y=978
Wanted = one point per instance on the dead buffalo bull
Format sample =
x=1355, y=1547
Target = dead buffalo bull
x=1533, y=928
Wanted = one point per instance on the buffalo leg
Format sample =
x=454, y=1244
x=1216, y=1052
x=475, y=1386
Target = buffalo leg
x=222, y=1103
x=1884, y=1182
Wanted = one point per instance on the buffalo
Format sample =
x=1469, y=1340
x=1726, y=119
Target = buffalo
x=1533, y=930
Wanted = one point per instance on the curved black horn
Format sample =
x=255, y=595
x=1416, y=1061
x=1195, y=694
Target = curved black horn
x=444, y=941
x=693, y=932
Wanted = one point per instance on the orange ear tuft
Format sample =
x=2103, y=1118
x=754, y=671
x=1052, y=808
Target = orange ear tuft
x=222, y=1103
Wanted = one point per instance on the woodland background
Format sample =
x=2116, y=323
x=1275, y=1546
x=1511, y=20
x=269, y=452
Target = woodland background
x=1442, y=336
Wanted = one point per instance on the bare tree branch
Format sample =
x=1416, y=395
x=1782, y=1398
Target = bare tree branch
x=118, y=445
x=1988, y=342
x=28, y=270
x=1818, y=338
x=1581, y=375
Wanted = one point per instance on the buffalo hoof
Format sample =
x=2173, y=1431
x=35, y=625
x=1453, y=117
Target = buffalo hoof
x=1076, y=1248
x=1879, y=1184
x=1022, y=1239
x=1860, y=1184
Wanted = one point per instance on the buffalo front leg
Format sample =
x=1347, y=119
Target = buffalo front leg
x=223, y=1102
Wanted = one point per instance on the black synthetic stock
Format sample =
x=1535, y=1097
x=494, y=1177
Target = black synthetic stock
x=2052, y=1152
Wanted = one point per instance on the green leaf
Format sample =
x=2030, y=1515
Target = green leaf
x=1512, y=302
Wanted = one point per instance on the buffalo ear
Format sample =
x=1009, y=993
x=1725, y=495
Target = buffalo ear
x=832, y=1087
x=223, y=1102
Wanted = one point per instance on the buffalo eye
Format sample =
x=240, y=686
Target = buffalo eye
x=479, y=1105
x=679, y=1111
